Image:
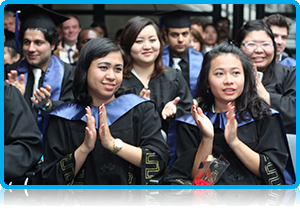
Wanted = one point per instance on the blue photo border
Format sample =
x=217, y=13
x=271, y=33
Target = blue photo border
x=4, y=186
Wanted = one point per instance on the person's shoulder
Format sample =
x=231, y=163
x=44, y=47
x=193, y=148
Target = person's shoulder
x=195, y=52
x=283, y=68
x=170, y=73
x=10, y=89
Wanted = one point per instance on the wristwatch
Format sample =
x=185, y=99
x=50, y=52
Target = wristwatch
x=44, y=108
x=118, y=144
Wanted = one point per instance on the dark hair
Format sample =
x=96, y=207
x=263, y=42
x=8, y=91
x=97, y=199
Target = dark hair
x=257, y=25
x=198, y=36
x=87, y=28
x=278, y=20
x=248, y=101
x=13, y=52
x=52, y=36
x=130, y=32
x=101, y=25
x=196, y=21
x=118, y=33
x=74, y=16
x=223, y=18
x=94, y=49
x=215, y=27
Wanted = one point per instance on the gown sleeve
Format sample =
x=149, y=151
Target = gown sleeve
x=59, y=161
x=283, y=95
x=144, y=132
x=22, y=139
x=155, y=151
x=186, y=100
x=266, y=138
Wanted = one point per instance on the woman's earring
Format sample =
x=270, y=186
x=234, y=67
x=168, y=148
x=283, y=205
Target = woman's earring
x=207, y=90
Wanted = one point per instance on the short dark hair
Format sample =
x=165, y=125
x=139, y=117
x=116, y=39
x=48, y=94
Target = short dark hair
x=257, y=25
x=101, y=25
x=87, y=28
x=223, y=18
x=196, y=21
x=278, y=20
x=94, y=49
x=52, y=36
x=128, y=36
x=248, y=101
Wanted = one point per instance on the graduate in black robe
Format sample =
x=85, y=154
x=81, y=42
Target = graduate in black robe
x=278, y=85
x=233, y=122
x=146, y=75
x=38, y=39
x=106, y=136
x=22, y=139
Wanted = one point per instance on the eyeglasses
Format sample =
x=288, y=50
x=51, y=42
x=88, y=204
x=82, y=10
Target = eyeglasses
x=254, y=45
x=223, y=25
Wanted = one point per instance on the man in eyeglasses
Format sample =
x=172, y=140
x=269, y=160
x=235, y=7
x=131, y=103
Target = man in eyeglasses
x=223, y=24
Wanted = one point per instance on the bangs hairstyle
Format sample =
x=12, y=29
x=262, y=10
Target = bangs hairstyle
x=94, y=49
x=248, y=101
x=258, y=25
x=128, y=37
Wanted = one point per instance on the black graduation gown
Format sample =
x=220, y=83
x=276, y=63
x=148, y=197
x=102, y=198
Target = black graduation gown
x=282, y=90
x=163, y=89
x=65, y=87
x=22, y=139
x=263, y=136
x=140, y=127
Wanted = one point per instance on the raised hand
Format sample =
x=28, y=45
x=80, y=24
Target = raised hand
x=231, y=125
x=145, y=93
x=90, y=131
x=170, y=108
x=12, y=78
x=203, y=122
x=107, y=140
x=42, y=96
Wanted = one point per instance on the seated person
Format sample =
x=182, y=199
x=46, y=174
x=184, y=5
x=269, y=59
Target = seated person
x=22, y=139
x=104, y=136
x=232, y=121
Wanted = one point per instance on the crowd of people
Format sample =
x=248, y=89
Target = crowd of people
x=151, y=105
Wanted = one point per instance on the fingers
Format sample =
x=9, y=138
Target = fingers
x=230, y=111
x=176, y=100
x=102, y=117
x=145, y=93
x=22, y=79
x=90, y=120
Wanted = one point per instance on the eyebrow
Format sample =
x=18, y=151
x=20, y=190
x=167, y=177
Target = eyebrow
x=108, y=63
x=220, y=68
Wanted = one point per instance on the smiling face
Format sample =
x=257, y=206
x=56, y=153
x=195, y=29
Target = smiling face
x=37, y=50
x=261, y=57
x=146, y=47
x=226, y=80
x=280, y=36
x=105, y=77
x=70, y=30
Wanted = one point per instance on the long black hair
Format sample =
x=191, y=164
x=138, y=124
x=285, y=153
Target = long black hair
x=257, y=25
x=248, y=101
x=94, y=49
